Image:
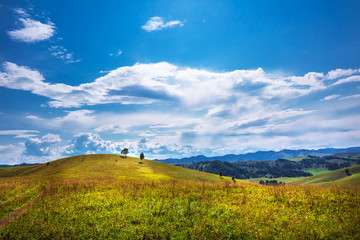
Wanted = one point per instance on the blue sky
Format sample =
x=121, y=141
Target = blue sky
x=177, y=78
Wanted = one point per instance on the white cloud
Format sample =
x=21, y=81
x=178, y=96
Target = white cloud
x=162, y=82
x=72, y=121
x=118, y=53
x=20, y=133
x=334, y=74
x=32, y=117
x=330, y=97
x=11, y=154
x=350, y=97
x=215, y=112
x=158, y=23
x=355, y=78
x=92, y=143
x=32, y=31
x=24, y=78
x=21, y=12
x=62, y=53
x=41, y=146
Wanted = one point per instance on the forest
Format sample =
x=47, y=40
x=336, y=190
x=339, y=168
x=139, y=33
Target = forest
x=272, y=168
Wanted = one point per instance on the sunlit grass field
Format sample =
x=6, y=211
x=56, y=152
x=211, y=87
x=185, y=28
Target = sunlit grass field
x=72, y=200
x=137, y=209
x=335, y=178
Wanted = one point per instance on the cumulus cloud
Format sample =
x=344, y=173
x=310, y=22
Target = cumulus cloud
x=86, y=143
x=11, y=154
x=32, y=30
x=206, y=112
x=41, y=146
x=158, y=23
x=91, y=143
x=162, y=82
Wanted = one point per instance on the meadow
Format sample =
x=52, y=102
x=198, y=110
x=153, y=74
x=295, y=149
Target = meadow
x=206, y=208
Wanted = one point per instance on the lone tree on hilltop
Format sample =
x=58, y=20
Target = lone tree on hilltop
x=125, y=151
x=142, y=156
x=221, y=174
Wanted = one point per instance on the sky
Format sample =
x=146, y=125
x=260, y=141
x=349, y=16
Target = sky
x=177, y=78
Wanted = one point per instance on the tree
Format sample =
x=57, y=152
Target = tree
x=142, y=156
x=221, y=174
x=125, y=151
x=233, y=178
x=347, y=172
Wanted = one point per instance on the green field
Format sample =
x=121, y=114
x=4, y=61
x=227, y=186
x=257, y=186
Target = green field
x=110, y=197
x=317, y=171
x=297, y=159
x=281, y=179
x=335, y=178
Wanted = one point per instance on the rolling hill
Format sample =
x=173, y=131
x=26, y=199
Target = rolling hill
x=110, y=197
x=335, y=178
x=103, y=166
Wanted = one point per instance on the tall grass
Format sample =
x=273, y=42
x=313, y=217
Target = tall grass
x=139, y=209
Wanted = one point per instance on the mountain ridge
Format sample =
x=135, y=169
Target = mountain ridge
x=262, y=155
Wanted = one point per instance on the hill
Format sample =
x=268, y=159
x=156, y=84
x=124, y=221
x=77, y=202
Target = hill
x=340, y=178
x=264, y=155
x=110, y=197
x=108, y=166
x=296, y=167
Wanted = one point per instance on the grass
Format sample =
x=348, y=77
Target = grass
x=109, y=197
x=335, y=178
x=140, y=209
x=11, y=188
x=280, y=179
x=99, y=166
x=317, y=171
x=298, y=158
x=16, y=203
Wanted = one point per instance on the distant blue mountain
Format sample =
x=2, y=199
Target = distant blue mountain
x=18, y=165
x=263, y=155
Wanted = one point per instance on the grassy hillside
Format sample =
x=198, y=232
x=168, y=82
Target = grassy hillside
x=335, y=178
x=107, y=166
x=138, y=209
x=110, y=197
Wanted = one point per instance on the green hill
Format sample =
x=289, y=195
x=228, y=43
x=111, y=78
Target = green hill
x=102, y=166
x=335, y=178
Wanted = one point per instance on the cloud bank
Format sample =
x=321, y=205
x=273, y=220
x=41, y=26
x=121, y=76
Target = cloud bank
x=184, y=111
x=159, y=82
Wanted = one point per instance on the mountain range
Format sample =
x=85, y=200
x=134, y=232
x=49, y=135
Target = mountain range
x=263, y=155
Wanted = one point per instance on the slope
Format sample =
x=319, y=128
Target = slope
x=103, y=166
x=335, y=178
